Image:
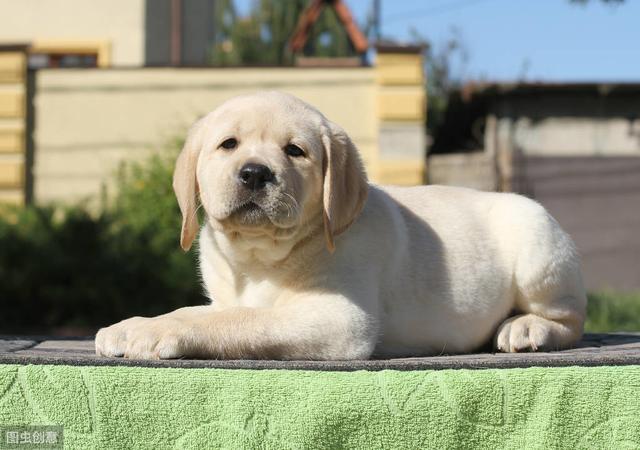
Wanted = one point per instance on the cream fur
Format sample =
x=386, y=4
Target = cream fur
x=330, y=267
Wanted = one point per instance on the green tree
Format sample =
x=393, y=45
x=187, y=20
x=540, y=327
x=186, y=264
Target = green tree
x=225, y=18
x=328, y=38
x=444, y=65
x=262, y=37
x=277, y=20
x=85, y=270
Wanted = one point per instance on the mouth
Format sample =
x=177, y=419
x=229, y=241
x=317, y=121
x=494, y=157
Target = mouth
x=248, y=207
x=250, y=213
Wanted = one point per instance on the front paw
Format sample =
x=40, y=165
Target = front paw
x=142, y=338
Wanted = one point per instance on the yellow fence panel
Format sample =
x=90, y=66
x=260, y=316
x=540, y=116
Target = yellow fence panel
x=12, y=103
x=12, y=197
x=399, y=69
x=402, y=103
x=12, y=67
x=11, y=140
x=11, y=174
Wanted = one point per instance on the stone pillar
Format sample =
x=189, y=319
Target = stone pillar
x=401, y=99
x=13, y=123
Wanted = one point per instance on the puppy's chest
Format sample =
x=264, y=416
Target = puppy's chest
x=257, y=294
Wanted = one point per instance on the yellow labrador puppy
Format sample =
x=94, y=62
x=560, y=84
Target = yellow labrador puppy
x=303, y=259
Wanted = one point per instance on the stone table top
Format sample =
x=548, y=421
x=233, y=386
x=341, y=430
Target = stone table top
x=611, y=349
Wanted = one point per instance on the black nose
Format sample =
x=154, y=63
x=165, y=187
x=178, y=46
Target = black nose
x=255, y=176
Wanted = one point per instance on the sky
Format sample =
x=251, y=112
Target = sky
x=535, y=40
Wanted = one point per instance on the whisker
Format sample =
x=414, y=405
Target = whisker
x=291, y=197
x=295, y=202
x=195, y=212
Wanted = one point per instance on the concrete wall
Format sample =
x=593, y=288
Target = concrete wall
x=120, y=23
x=597, y=201
x=579, y=156
x=89, y=120
x=473, y=170
x=578, y=136
x=569, y=124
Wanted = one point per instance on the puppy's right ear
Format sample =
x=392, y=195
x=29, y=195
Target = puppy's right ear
x=185, y=185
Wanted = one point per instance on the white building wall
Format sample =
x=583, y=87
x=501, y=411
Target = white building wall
x=89, y=121
x=121, y=22
x=576, y=136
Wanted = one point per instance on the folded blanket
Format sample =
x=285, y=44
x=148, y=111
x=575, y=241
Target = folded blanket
x=155, y=408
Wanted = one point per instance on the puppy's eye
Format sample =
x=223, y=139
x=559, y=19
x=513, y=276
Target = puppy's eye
x=293, y=150
x=229, y=144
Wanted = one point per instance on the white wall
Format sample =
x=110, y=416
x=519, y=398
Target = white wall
x=119, y=21
x=89, y=120
x=573, y=136
x=473, y=170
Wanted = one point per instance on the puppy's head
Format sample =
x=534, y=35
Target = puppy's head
x=269, y=163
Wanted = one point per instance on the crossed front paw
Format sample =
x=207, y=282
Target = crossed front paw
x=143, y=338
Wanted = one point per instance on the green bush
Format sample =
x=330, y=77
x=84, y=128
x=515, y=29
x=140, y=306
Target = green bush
x=67, y=267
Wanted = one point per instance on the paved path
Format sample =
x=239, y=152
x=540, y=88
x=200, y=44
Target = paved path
x=594, y=350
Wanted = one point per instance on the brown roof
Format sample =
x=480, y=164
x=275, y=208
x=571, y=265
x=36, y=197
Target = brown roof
x=400, y=48
x=13, y=47
x=524, y=88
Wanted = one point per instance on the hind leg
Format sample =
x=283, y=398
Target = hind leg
x=552, y=317
x=550, y=296
x=530, y=332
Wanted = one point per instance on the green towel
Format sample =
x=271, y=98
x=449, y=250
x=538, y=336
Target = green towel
x=156, y=408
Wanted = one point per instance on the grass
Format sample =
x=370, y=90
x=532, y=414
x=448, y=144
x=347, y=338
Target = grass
x=613, y=311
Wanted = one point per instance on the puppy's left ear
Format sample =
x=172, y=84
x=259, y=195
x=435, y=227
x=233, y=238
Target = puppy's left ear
x=345, y=186
x=185, y=184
